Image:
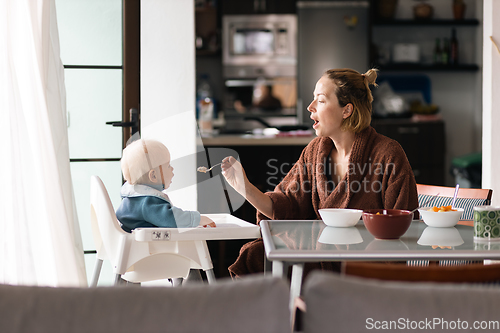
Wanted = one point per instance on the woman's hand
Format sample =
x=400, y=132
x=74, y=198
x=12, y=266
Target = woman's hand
x=205, y=221
x=236, y=177
x=234, y=174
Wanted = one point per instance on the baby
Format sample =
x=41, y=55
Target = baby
x=147, y=170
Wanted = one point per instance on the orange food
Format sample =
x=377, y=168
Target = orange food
x=440, y=247
x=442, y=209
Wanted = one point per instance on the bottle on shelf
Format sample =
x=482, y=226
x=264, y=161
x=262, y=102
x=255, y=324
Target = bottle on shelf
x=445, y=54
x=437, y=51
x=205, y=106
x=453, y=48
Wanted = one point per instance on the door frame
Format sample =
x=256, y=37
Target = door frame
x=131, y=64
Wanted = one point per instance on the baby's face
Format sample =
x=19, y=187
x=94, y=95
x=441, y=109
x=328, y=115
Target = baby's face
x=167, y=171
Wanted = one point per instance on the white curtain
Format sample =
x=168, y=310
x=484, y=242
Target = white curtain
x=40, y=241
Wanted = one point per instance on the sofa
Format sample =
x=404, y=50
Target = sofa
x=353, y=304
x=253, y=304
x=258, y=304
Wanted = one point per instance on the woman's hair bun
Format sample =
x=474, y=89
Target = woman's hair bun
x=371, y=76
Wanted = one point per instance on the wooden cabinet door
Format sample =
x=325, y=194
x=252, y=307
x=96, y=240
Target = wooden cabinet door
x=424, y=145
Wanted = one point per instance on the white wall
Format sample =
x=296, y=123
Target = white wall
x=168, y=89
x=491, y=99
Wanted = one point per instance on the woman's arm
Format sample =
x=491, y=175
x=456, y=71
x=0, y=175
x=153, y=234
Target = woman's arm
x=236, y=177
x=259, y=200
x=292, y=197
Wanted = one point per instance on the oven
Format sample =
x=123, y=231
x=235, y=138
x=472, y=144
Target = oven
x=260, y=67
x=259, y=46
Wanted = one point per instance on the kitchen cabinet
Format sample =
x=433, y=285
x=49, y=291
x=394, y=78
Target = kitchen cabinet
x=207, y=29
x=246, y=7
x=423, y=143
x=265, y=167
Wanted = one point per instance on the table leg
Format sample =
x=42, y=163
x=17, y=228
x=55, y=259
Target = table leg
x=210, y=275
x=278, y=269
x=296, y=283
x=97, y=272
x=267, y=266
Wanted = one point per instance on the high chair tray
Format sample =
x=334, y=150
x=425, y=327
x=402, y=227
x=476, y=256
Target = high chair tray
x=228, y=227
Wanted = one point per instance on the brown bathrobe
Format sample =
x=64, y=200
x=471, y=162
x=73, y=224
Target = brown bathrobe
x=379, y=176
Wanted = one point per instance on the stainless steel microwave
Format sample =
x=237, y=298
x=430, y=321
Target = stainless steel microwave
x=259, y=46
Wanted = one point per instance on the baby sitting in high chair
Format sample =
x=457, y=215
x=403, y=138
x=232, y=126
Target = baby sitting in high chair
x=147, y=170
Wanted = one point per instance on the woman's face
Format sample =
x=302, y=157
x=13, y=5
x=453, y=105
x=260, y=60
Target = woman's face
x=325, y=109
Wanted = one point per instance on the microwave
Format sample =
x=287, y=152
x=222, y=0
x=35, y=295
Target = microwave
x=259, y=45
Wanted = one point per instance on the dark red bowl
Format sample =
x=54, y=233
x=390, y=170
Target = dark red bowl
x=388, y=224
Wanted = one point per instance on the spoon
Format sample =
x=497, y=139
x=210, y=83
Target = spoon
x=205, y=169
x=455, y=196
x=425, y=203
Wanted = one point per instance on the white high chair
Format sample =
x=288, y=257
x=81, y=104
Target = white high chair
x=140, y=261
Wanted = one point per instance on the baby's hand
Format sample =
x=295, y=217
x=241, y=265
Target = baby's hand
x=205, y=221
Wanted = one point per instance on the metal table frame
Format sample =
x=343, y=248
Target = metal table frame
x=282, y=254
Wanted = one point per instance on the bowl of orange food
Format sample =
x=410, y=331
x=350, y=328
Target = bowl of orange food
x=440, y=217
x=387, y=223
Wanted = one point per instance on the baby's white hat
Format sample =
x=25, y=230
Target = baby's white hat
x=141, y=156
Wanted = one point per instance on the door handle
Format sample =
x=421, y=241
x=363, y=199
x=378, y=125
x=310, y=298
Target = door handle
x=133, y=123
x=121, y=124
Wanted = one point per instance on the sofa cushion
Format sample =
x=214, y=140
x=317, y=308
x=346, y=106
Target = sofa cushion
x=352, y=304
x=253, y=304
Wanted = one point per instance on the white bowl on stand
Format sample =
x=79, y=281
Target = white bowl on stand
x=340, y=217
x=441, y=219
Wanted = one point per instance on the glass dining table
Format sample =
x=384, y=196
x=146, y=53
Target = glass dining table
x=296, y=242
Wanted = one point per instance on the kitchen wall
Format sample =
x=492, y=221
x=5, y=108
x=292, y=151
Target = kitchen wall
x=167, y=89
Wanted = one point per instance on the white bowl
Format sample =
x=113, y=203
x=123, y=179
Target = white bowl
x=387, y=245
x=340, y=236
x=440, y=219
x=340, y=217
x=440, y=237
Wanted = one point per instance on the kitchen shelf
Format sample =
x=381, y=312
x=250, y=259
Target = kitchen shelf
x=437, y=22
x=420, y=67
x=208, y=53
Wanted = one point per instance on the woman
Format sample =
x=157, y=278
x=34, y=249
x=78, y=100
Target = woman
x=349, y=165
